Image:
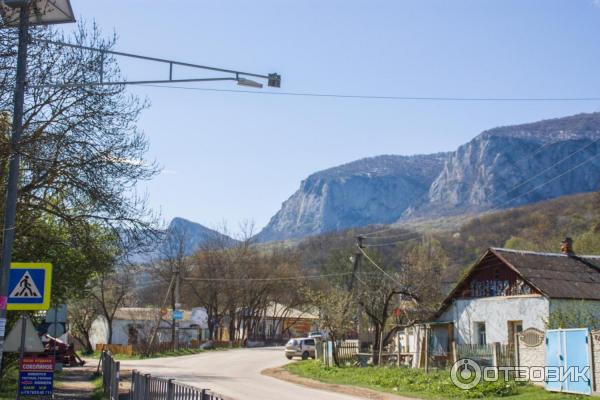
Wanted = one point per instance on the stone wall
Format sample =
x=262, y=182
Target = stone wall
x=532, y=349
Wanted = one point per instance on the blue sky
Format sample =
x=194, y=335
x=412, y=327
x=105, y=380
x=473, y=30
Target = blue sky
x=230, y=157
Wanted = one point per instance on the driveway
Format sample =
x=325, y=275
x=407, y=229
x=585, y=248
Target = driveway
x=233, y=373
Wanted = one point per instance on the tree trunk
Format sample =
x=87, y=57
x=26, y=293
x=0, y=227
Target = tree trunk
x=376, y=340
x=110, y=331
x=336, y=360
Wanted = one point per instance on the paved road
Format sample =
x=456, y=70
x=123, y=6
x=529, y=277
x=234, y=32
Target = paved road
x=233, y=373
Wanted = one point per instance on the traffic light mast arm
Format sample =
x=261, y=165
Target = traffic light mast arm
x=273, y=80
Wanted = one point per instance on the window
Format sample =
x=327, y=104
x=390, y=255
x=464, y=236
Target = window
x=309, y=342
x=480, y=331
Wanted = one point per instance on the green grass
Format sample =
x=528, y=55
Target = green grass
x=415, y=383
x=8, y=391
x=182, y=352
x=98, y=393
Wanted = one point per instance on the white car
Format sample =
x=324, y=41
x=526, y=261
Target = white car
x=300, y=347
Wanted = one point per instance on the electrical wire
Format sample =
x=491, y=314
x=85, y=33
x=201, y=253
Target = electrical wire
x=551, y=180
x=548, y=168
x=405, y=234
x=367, y=235
x=377, y=97
x=377, y=266
x=291, y=278
x=418, y=236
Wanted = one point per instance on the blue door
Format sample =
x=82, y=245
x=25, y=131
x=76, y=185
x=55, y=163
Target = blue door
x=568, y=361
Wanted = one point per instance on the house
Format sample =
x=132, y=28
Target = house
x=279, y=322
x=505, y=292
x=131, y=325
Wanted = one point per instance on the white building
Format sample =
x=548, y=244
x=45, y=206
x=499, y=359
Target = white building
x=132, y=324
x=507, y=291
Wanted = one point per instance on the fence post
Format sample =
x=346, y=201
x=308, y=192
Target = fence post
x=146, y=392
x=496, y=354
x=516, y=351
x=132, y=389
x=170, y=389
x=116, y=378
x=454, y=352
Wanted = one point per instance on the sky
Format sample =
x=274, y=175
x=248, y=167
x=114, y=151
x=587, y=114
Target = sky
x=235, y=157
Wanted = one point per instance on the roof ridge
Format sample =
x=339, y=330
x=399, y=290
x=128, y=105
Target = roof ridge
x=541, y=253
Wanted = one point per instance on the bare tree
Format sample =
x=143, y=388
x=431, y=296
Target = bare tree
x=112, y=291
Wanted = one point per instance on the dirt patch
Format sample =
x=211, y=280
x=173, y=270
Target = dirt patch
x=284, y=375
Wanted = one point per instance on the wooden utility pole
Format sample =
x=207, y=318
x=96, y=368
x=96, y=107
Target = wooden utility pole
x=355, y=269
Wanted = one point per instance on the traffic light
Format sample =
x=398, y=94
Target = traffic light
x=274, y=80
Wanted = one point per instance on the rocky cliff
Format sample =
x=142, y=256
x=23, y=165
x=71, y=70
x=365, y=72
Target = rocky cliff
x=368, y=191
x=500, y=168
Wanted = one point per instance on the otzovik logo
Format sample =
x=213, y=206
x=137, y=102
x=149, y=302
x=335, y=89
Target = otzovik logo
x=465, y=374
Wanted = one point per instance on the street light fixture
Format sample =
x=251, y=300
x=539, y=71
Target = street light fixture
x=21, y=14
x=249, y=83
x=41, y=12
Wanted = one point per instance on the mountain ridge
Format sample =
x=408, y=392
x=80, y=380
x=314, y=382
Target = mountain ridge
x=485, y=173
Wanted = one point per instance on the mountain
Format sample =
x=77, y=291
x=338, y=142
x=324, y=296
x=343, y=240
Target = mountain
x=364, y=192
x=516, y=165
x=181, y=234
x=500, y=168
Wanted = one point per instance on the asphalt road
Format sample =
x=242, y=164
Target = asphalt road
x=233, y=373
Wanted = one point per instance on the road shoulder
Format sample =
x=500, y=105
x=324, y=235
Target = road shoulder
x=284, y=375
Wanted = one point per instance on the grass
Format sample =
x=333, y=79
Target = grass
x=171, y=353
x=98, y=393
x=8, y=391
x=415, y=383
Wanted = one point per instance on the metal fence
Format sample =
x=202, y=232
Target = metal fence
x=147, y=387
x=110, y=376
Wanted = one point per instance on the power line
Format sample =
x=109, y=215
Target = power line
x=417, y=236
x=551, y=180
x=303, y=277
x=377, y=266
x=377, y=97
x=367, y=235
x=549, y=168
x=405, y=234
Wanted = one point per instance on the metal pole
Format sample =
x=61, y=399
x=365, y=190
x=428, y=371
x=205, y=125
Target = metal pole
x=177, y=306
x=22, y=347
x=13, y=173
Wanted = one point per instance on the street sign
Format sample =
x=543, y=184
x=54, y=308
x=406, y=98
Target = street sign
x=57, y=314
x=56, y=329
x=177, y=315
x=32, y=344
x=29, y=286
x=36, y=375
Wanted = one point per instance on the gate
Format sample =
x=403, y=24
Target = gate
x=568, y=361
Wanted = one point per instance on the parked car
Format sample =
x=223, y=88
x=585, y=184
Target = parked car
x=300, y=347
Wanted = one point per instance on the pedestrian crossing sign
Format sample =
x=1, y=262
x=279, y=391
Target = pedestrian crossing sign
x=29, y=286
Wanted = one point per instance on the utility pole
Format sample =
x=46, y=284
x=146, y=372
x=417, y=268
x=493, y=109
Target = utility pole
x=357, y=260
x=176, y=306
x=10, y=212
x=355, y=269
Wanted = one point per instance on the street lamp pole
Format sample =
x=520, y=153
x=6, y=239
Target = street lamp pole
x=10, y=206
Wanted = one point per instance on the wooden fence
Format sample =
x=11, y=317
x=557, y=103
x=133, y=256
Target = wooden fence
x=347, y=352
x=494, y=354
x=116, y=348
x=145, y=386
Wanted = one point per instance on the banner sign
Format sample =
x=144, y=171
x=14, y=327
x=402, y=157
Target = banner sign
x=36, y=375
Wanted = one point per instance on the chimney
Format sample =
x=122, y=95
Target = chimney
x=566, y=246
